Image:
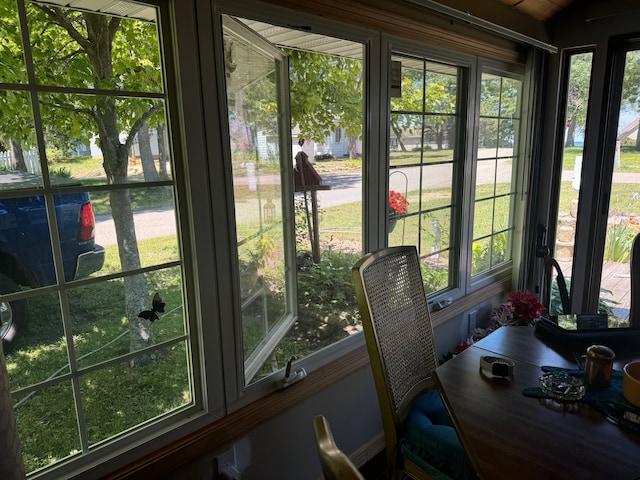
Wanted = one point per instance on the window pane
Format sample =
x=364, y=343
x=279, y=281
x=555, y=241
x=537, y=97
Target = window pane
x=500, y=251
x=483, y=218
x=501, y=213
x=576, y=103
x=54, y=407
x=504, y=176
x=439, y=179
x=485, y=178
x=328, y=217
x=624, y=213
x=154, y=221
x=118, y=398
x=256, y=161
x=498, y=127
x=421, y=168
x=17, y=147
x=435, y=230
x=91, y=356
x=480, y=256
x=406, y=140
x=132, y=69
x=487, y=137
x=46, y=334
x=73, y=149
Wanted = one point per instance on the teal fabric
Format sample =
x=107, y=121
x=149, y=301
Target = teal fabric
x=431, y=442
x=608, y=400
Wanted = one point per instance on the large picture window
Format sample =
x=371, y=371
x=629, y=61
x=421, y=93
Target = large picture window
x=91, y=271
x=436, y=179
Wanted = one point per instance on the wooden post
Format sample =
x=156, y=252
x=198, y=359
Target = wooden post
x=315, y=240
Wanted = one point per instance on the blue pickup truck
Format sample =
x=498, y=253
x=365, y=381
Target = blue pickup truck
x=26, y=254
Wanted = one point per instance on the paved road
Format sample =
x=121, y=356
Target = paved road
x=345, y=188
x=149, y=224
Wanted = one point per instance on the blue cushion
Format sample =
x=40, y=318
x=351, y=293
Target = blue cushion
x=431, y=442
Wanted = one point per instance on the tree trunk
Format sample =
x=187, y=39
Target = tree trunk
x=353, y=147
x=398, y=133
x=135, y=286
x=98, y=45
x=571, y=134
x=146, y=155
x=115, y=156
x=162, y=151
x=638, y=137
x=18, y=156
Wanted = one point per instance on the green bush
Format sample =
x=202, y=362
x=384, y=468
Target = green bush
x=618, y=243
x=434, y=278
x=605, y=305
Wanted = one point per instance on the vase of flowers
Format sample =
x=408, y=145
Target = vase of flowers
x=523, y=308
x=398, y=206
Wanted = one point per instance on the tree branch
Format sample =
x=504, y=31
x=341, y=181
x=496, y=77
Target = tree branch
x=57, y=15
x=157, y=106
x=69, y=108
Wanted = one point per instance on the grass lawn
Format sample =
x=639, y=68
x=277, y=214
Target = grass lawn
x=629, y=159
x=114, y=398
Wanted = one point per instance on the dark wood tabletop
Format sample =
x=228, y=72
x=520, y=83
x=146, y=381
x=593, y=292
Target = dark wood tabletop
x=508, y=435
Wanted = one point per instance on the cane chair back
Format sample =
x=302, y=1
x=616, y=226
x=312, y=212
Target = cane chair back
x=399, y=336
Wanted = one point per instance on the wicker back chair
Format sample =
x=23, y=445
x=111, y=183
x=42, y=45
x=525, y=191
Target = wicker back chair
x=420, y=439
x=335, y=464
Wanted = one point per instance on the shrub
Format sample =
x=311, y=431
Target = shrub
x=618, y=243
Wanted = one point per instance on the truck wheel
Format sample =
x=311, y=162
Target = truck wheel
x=13, y=315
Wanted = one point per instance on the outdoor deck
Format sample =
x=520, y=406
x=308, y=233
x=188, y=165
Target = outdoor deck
x=616, y=278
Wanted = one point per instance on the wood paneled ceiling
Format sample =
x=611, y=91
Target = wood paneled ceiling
x=543, y=10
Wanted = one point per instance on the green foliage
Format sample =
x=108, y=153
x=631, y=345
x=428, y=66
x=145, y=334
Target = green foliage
x=424, y=91
x=61, y=172
x=618, y=243
x=328, y=283
x=578, y=94
x=605, y=305
x=488, y=252
x=434, y=279
x=324, y=89
x=499, y=97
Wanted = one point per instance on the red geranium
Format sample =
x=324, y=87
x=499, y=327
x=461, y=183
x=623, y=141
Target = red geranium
x=523, y=308
x=525, y=305
x=398, y=203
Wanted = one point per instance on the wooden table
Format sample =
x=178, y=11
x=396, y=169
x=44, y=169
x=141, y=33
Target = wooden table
x=508, y=436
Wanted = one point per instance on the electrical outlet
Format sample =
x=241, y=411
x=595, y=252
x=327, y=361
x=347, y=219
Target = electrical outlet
x=226, y=461
x=472, y=318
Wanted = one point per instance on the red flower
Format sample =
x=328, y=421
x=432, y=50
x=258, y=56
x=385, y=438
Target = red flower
x=522, y=308
x=525, y=306
x=398, y=203
x=461, y=347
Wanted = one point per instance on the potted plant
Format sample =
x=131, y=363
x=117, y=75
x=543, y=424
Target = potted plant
x=523, y=308
x=398, y=206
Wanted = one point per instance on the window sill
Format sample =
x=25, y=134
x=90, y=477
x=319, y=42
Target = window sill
x=460, y=306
